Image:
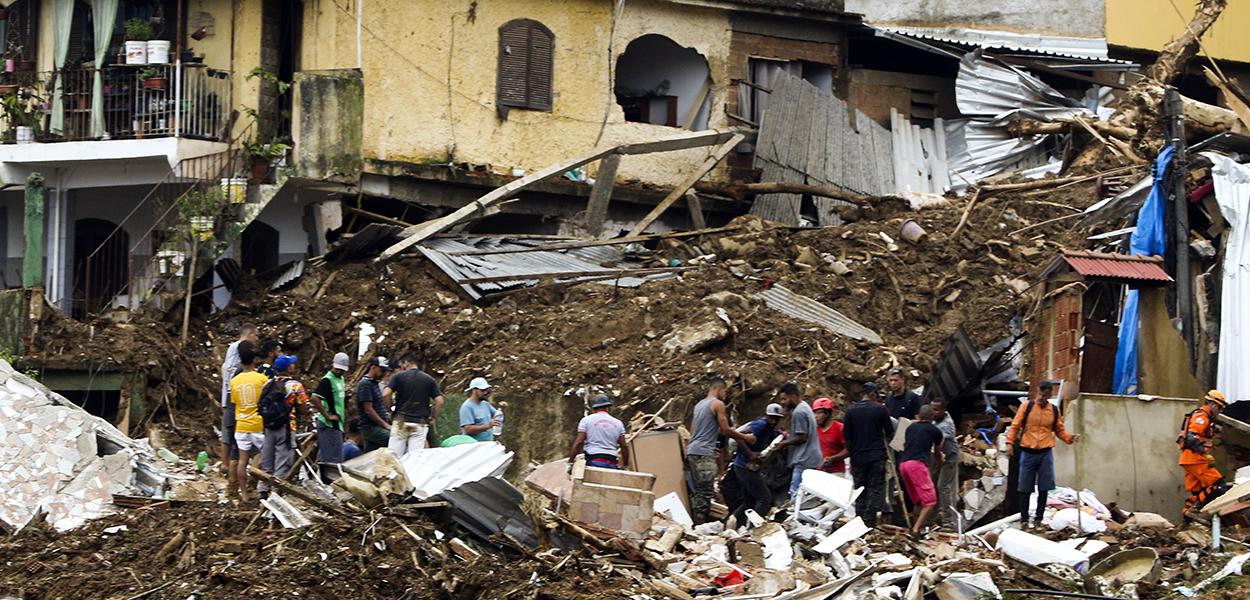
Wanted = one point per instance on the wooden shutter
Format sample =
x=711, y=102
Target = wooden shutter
x=526, y=55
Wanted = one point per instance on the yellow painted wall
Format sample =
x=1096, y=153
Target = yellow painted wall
x=1149, y=24
x=429, y=73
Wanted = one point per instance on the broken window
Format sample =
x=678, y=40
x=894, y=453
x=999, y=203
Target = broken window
x=753, y=97
x=526, y=53
x=662, y=83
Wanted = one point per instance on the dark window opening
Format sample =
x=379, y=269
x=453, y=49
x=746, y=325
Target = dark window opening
x=662, y=83
x=22, y=28
x=101, y=403
x=526, y=56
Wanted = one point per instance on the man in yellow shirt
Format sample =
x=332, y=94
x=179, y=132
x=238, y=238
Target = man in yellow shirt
x=249, y=427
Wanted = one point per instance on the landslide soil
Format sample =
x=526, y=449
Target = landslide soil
x=543, y=349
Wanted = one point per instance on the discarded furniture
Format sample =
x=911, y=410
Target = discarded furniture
x=618, y=500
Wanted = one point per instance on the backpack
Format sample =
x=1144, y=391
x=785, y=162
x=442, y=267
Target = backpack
x=1054, y=425
x=1181, y=440
x=273, y=407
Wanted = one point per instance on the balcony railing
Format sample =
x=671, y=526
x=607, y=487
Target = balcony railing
x=144, y=101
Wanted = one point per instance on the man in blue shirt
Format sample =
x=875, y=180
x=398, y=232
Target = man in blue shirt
x=477, y=416
x=746, y=464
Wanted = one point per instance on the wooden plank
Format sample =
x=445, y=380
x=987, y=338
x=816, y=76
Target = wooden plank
x=591, y=243
x=897, y=138
x=695, y=206
x=884, y=145
x=697, y=105
x=817, y=143
x=687, y=183
x=567, y=274
x=597, y=205
x=833, y=139
x=423, y=231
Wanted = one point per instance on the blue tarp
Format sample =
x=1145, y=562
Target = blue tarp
x=1147, y=240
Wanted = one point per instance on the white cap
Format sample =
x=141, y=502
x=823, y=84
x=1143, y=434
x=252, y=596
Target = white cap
x=774, y=410
x=341, y=361
x=478, y=383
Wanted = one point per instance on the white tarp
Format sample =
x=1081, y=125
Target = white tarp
x=1232, y=192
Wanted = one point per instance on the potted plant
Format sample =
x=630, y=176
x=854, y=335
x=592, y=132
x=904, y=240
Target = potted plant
x=153, y=78
x=21, y=112
x=199, y=208
x=261, y=158
x=138, y=32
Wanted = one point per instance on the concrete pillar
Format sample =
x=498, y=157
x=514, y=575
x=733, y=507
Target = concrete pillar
x=32, y=259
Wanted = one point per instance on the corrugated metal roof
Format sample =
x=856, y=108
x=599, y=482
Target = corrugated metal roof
x=1093, y=50
x=435, y=470
x=803, y=308
x=295, y=271
x=491, y=507
x=1122, y=267
x=588, y=263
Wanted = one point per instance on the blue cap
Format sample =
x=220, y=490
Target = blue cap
x=284, y=361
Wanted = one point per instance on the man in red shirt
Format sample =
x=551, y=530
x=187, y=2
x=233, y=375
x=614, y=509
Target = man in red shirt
x=830, y=433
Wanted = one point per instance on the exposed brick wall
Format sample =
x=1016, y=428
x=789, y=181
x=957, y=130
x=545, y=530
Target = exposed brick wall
x=1056, y=352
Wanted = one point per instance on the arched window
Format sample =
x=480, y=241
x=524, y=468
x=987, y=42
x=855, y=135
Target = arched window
x=526, y=52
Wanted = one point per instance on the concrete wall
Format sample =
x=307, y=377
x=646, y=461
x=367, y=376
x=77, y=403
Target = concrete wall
x=328, y=123
x=1149, y=24
x=1127, y=453
x=1073, y=18
x=429, y=73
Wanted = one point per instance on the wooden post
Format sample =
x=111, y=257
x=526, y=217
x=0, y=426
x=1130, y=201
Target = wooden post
x=32, y=260
x=597, y=206
x=696, y=210
x=1178, y=249
x=186, y=305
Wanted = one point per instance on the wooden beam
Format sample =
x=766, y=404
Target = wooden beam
x=687, y=183
x=298, y=492
x=422, y=231
x=697, y=105
x=376, y=216
x=740, y=191
x=696, y=210
x=601, y=195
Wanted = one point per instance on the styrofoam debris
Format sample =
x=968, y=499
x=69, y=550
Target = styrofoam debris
x=1034, y=550
x=670, y=504
x=853, y=529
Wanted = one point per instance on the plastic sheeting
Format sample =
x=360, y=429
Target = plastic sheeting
x=1147, y=240
x=1232, y=193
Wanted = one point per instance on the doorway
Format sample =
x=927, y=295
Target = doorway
x=101, y=265
x=258, y=248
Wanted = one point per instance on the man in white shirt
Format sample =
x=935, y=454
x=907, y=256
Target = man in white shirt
x=229, y=368
x=601, y=436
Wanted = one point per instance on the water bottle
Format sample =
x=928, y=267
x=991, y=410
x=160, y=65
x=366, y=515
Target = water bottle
x=497, y=430
x=201, y=461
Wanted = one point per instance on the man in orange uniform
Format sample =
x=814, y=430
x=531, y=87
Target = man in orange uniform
x=1202, y=480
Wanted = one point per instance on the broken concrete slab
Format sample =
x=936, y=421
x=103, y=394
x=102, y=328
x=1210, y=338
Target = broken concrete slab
x=1033, y=550
x=967, y=586
x=57, y=458
x=692, y=338
x=853, y=529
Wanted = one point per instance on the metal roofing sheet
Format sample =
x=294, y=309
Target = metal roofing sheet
x=1117, y=266
x=803, y=308
x=489, y=507
x=599, y=261
x=435, y=470
x=1093, y=50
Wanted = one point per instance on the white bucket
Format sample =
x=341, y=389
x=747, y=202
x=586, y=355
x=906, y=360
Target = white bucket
x=158, y=52
x=234, y=190
x=136, y=53
x=25, y=135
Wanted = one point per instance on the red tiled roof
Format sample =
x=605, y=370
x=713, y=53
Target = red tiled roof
x=1117, y=266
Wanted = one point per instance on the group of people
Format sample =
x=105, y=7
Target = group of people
x=264, y=406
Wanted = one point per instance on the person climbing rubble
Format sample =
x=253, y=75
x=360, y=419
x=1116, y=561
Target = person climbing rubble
x=230, y=367
x=1198, y=431
x=415, y=402
x=1034, y=429
x=709, y=423
x=922, y=441
x=283, y=406
x=330, y=400
x=830, y=432
x=901, y=402
x=867, y=428
x=601, y=437
x=745, y=483
x=946, y=479
x=478, y=417
x=249, y=427
x=803, y=439
x=373, y=418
